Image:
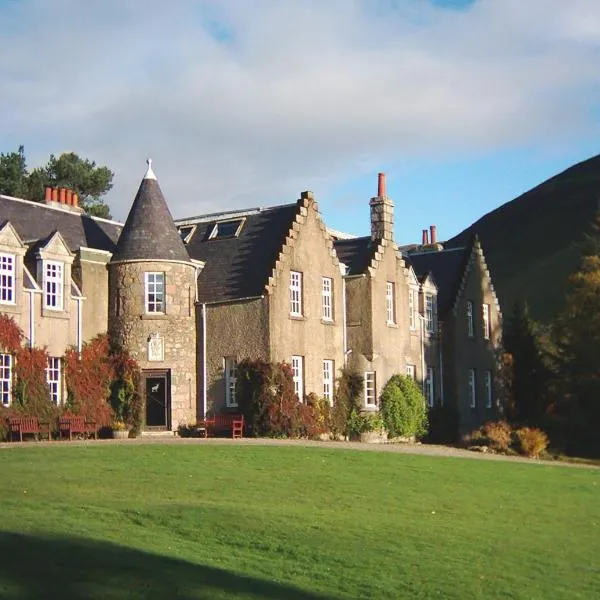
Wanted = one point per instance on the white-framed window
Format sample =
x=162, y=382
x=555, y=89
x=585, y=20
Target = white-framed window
x=53, y=285
x=472, y=388
x=489, y=391
x=7, y=278
x=328, y=380
x=154, y=285
x=413, y=301
x=370, y=389
x=485, y=314
x=430, y=386
x=429, y=313
x=53, y=379
x=470, y=327
x=230, y=368
x=298, y=376
x=411, y=371
x=390, y=302
x=327, y=299
x=295, y=293
x=6, y=363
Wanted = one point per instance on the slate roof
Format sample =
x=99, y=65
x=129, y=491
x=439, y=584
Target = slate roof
x=149, y=232
x=447, y=268
x=35, y=221
x=355, y=253
x=239, y=267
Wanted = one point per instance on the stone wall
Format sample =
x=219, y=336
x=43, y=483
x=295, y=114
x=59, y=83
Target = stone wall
x=132, y=328
x=235, y=329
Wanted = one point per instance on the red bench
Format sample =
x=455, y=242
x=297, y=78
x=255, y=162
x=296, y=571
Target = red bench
x=220, y=423
x=28, y=426
x=74, y=424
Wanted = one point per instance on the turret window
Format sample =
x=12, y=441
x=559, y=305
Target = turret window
x=155, y=292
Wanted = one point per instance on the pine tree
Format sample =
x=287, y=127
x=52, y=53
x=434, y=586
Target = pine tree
x=577, y=334
x=529, y=366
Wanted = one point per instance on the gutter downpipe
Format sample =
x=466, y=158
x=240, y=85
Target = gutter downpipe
x=422, y=319
x=204, y=378
x=79, y=326
x=345, y=333
x=31, y=321
x=441, y=365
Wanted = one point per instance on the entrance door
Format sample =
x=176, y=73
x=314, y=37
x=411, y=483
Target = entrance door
x=157, y=399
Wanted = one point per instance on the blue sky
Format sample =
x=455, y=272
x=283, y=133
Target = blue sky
x=464, y=104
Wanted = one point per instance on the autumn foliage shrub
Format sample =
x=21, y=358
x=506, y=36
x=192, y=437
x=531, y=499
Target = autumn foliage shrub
x=498, y=435
x=347, y=402
x=531, y=441
x=266, y=398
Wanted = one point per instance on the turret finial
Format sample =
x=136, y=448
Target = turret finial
x=149, y=173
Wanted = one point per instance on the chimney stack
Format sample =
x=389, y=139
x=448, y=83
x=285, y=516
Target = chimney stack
x=433, y=229
x=382, y=213
x=425, y=238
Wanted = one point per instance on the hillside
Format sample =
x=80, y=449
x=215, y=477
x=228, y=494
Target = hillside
x=529, y=243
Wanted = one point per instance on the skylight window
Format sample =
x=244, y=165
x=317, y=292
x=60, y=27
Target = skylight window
x=226, y=229
x=186, y=232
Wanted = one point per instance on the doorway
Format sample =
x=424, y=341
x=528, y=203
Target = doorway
x=157, y=387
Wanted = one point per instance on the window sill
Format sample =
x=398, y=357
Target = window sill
x=392, y=325
x=55, y=314
x=327, y=321
x=297, y=318
x=153, y=316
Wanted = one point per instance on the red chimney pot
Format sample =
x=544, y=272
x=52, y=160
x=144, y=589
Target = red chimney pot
x=433, y=229
x=54, y=195
x=68, y=198
x=61, y=195
x=75, y=200
x=425, y=237
x=381, y=185
x=48, y=194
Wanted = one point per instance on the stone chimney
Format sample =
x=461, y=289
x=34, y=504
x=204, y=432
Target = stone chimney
x=382, y=213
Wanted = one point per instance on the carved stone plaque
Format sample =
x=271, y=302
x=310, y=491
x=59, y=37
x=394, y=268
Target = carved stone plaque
x=156, y=348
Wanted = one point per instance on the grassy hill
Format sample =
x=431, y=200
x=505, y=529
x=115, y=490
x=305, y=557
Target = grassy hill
x=529, y=243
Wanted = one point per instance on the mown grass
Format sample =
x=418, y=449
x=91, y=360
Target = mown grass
x=208, y=521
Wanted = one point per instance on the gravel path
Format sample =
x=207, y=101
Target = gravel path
x=417, y=449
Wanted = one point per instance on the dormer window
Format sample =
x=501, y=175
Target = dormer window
x=186, y=232
x=226, y=229
x=430, y=313
x=154, y=287
x=7, y=278
x=53, y=285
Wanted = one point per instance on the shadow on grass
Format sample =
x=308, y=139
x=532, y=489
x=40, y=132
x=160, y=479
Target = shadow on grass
x=65, y=567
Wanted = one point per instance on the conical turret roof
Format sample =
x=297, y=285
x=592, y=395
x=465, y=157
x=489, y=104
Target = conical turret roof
x=149, y=232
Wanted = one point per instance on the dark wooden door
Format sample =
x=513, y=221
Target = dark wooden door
x=157, y=400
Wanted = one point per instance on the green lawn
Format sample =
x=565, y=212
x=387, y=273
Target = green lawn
x=212, y=521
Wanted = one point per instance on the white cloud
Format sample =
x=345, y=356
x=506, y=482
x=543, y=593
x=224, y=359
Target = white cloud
x=250, y=102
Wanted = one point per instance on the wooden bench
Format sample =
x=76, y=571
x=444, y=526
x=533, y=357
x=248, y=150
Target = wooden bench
x=75, y=424
x=220, y=423
x=27, y=426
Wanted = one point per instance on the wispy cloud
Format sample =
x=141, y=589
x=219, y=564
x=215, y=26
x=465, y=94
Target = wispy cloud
x=250, y=102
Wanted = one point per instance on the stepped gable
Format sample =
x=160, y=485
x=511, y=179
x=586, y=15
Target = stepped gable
x=447, y=268
x=362, y=254
x=35, y=221
x=239, y=266
x=149, y=232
